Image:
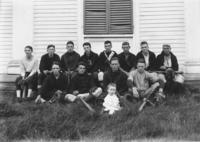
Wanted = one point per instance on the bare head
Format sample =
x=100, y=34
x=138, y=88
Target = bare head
x=125, y=47
x=141, y=65
x=70, y=46
x=144, y=47
x=108, y=46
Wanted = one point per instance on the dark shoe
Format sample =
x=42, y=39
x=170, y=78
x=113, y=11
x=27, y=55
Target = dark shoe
x=29, y=99
x=19, y=100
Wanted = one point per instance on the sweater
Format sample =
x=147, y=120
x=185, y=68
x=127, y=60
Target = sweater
x=152, y=60
x=117, y=77
x=46, y=62
x=28, y=65
x=81, y=83
x=160, y=61
x=69, y=61
x=127, y=63
x=91, y=61
x=51, y=85
x=104, y=60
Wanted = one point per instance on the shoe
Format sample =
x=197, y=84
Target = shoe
x=29, y=99
x=19, y=100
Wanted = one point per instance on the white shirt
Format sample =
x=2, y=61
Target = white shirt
x=29, y=65
x=167, y=61
x=111, y=103
x=146, y=58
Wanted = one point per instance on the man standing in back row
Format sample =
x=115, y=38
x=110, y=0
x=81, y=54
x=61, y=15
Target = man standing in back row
x=69, y=61
x=126, y=58
x=106, y=56
x=148, y=56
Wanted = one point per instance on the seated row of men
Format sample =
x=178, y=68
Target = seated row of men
x=82, y=76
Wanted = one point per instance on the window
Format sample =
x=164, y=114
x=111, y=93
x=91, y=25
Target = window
x=108, y=17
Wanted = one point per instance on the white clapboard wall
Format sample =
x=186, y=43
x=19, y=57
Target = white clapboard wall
x=162, y=21
x=55, y=22
x=5, y=33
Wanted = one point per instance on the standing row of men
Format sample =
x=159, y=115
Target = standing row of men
x=81, y=74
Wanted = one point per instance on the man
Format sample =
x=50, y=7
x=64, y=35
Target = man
x=89, y=58
x=143, y=84
x=115, y=75
x=69, y=60
x=106, y=56
x=166, y=59
x=28, y=77
x=148, y=56
x=167, y=62
x=55, y=85
x=46, y=63
x=127, y=60
x=81, y=85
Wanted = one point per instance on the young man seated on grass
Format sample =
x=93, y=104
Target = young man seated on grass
x=54, y=86
x=143, y=84
x=46, y=64
x=81, y=85
x=115, y=75
x=28, y=77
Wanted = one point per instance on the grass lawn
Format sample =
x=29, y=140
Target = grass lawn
x=177, y=119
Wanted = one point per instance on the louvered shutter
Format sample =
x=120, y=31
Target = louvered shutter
x=108, y=17
x=120, y=17
x=95, y=17
x=5, y=33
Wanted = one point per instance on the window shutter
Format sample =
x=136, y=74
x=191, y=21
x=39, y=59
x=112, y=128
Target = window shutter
x=120, y=17
x=95, y=17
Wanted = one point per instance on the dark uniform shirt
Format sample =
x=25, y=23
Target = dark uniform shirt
x=69, y=61
x=46, y=62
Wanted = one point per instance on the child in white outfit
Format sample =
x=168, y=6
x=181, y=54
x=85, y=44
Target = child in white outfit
x=111, y=102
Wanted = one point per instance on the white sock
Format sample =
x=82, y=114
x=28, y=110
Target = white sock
x=29, y=93
x=18, y=92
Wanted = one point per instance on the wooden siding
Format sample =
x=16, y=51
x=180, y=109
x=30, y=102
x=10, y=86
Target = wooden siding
x=162, y=22
x=5, y=33
x=55, y=22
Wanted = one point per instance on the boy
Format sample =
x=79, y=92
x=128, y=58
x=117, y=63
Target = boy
x=81, y=84
x=55, y=85
x=148, y=56
x=28, y=77
x=127, y=60
x=111, y=102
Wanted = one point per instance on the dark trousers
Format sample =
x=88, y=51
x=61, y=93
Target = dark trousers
x=30, y=83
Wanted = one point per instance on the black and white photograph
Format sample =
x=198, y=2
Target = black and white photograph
x=99, y=70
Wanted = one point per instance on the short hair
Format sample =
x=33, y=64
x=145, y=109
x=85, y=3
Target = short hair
x=56, y=63
x=86, y=43
x=70, y=42
x=82, y=63
x=50, y=45
x=107, y=42
x=114, y=59
x=143, y=42
x=166, y=45
x=141, y=60
x=112, y=84
x=125, y=43
x=29, y=47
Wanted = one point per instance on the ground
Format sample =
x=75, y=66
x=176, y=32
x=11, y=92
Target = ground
x=177, y=119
